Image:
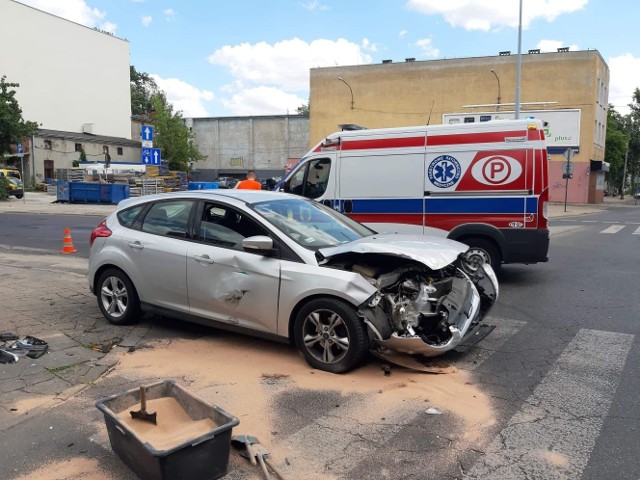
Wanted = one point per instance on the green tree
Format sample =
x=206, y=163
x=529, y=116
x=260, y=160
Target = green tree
x=13, y=128
x=616, y=146
x=303, y=109
x=632, y=128
x=172, y=136
x=143, y=88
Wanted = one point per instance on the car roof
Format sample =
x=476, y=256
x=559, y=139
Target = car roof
x=244, y=196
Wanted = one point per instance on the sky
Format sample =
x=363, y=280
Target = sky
x=252, y=57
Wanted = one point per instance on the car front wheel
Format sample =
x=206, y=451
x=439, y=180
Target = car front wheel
x=330, y=335
x=117, y=297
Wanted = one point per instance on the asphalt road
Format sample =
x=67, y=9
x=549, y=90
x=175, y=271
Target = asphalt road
x=45, y=233
x=560, y=369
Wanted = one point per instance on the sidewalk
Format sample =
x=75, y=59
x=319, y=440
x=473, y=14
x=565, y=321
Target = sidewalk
x=40, y=202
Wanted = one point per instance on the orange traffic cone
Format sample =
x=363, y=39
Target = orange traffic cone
x=67, y=244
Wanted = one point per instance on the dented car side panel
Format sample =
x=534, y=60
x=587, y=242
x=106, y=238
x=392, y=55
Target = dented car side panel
x=233, y=286
x=260, y=292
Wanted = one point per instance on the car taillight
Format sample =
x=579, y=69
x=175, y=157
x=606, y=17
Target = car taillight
x=100, y=231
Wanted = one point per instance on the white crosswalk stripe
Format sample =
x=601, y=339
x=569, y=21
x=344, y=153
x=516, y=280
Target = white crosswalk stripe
x=636, y=231
x=613, y=229
x=553, y=434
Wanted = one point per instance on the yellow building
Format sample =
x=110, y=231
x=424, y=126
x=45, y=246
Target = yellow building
x=570, y=88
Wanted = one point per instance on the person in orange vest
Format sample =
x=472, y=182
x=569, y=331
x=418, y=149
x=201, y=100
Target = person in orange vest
x=250, y=183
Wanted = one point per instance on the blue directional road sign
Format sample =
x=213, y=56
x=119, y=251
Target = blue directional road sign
x=151, y=156
x=20, y=148
x=147, y=133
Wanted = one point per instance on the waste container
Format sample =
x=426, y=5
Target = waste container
x=87, y=192
x=62, y=191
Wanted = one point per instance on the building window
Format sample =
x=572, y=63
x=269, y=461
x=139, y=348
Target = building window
x=119, y=150
x=78, y=147
x=105, y=149
x=47, y=144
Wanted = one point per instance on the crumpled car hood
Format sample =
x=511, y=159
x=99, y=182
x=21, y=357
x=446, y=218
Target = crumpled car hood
x=435, y=253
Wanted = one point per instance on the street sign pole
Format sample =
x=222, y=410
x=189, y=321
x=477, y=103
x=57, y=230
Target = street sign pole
x=567, y=173
x=566, y=191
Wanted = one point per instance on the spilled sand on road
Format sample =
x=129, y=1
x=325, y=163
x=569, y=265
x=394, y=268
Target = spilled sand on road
x=242, y=375
x=72, y=469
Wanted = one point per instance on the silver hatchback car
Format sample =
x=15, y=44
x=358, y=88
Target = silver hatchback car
x=287, y=268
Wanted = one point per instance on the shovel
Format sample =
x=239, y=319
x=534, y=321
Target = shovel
x=142, y=414
x=250, y=447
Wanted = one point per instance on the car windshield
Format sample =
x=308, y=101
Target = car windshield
x=310, y=224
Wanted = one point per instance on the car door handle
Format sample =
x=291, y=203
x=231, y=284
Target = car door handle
x=203, y=259
x=136, y=245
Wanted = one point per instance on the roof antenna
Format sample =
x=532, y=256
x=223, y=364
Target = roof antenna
x=431, y=111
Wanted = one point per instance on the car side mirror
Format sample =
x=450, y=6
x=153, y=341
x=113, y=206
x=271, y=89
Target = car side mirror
x=260, y=244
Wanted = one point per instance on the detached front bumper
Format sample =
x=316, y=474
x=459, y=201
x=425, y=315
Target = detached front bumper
x=466, y=309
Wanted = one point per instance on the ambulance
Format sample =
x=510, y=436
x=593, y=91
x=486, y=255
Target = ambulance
x=485, y=184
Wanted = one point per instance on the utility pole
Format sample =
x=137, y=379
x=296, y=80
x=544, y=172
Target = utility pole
x=519, y=64
x=624, y=174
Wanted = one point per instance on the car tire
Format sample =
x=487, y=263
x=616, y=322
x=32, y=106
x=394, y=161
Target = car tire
x=19, y=196
x=117, y=297
x=482, y=251
x=330, y=335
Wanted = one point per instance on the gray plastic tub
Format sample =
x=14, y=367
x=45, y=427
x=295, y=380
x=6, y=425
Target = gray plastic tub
x=202, y=458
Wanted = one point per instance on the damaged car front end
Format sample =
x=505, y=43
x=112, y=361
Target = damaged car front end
x=428, y=300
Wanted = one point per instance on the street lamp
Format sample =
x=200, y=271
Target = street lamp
x=519, y=63
x=350, y=90
x=498, y=80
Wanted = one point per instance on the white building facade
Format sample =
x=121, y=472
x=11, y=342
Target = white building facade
x=72, y=78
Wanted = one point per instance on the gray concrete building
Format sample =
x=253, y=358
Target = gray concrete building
x=234, y=145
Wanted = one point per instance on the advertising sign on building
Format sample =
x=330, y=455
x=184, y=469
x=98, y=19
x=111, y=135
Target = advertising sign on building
x=562, y=127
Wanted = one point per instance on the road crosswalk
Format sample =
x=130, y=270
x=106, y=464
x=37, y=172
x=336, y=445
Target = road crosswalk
x=612, y=228
x=551, y=435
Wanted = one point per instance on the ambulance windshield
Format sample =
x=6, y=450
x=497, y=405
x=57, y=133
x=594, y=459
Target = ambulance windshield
x=311, y=179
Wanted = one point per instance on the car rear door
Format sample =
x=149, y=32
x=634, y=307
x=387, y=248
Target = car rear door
x=157, y=251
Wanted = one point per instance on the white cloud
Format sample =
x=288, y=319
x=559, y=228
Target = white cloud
x=553, y=45
x=402, y=33
x=146, y=20
x=428, y=50
x=184, y=96
x=286, y=64
x=75, y=10
x=169, y=14
x=484, y=15
x=367, y=45
x=109, y=27
x=624, y=78
x=313, y=5
x=263, y=101
x=137, y=1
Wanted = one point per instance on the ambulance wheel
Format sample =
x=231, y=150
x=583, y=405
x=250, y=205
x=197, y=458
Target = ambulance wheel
x=483, y=252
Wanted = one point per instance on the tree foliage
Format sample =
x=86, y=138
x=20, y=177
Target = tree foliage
x=143, y=88
x=172, y=136
x=303, y=109
x=632, y=126
x=13, y=128
x=616, y=145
